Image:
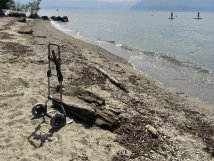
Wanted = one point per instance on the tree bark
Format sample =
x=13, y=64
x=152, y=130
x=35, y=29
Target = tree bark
x=89, y=114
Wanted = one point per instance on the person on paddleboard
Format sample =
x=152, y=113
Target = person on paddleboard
x=171, y=15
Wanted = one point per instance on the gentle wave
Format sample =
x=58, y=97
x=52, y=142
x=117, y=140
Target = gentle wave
x=165, y=57
x=183, y=63
x=65, y=30
x=56, y=25
x=125, y=47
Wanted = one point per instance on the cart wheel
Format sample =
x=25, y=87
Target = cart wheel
x=58, y=121
x=38, y=110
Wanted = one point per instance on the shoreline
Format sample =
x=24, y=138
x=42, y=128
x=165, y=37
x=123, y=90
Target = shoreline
x=185, y=124
x=185, y=77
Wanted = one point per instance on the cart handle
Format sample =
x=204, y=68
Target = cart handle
x=49, y=49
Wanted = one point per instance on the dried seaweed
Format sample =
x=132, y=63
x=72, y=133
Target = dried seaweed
x=7, y=26
x=16, y=49
x=135, y=137
x=4, y=35
x=199, y=127
x=120, y=157
x=88, y=76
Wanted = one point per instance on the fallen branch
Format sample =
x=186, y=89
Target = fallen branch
x=40, y=36
x=26, y=32
x=112, y=79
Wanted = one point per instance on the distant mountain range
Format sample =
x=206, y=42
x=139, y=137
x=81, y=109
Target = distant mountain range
x=175, y=5
x=84, y=4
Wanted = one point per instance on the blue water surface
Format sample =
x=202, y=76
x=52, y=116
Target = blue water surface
x=178, y=52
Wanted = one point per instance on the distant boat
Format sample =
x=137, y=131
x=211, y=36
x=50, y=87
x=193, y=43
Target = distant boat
x=171, y=16
x=198, y=16
x=57, y=9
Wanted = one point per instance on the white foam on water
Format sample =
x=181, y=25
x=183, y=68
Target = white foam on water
x=119, y=45
x=56, y=25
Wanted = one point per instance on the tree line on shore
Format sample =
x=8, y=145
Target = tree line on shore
x=20, y=10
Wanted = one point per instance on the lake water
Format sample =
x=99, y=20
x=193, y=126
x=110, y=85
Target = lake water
x=178, y=53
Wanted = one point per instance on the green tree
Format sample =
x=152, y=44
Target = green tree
x=18, y=10
x=5, y=4
x=34, y=8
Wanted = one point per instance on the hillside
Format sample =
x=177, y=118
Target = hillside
x=175, y=5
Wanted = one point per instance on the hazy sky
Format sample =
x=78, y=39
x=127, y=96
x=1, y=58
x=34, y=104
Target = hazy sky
x=126, y=4
x=176, y=5
x=71, y=1
x=85, y=3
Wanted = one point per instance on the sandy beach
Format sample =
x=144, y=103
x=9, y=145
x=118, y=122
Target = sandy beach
x=185, y=125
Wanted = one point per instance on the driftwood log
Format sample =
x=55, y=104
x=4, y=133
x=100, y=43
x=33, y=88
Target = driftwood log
x=39, y=36
x=112, y=79
x=90, y=97
x=76, y=108
x=92, y=115
x=23, y=20
x=26, y=32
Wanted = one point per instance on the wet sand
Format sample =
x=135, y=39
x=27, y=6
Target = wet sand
x=185, y=124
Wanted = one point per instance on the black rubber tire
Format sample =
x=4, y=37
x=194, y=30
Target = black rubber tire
x=38, y=110
x=58, y=121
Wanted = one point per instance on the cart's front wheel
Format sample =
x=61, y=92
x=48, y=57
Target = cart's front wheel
x=58, y=121
x=38, y=110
